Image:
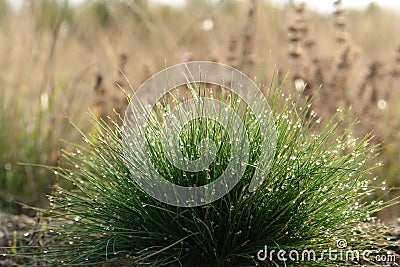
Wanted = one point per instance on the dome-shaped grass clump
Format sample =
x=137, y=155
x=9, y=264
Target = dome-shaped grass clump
x=313, y=198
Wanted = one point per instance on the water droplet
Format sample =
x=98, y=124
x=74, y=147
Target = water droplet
x=8, y=166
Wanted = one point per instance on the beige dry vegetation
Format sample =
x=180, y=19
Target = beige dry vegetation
x=57, y=61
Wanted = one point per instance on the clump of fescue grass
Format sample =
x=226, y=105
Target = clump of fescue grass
x=315, y=193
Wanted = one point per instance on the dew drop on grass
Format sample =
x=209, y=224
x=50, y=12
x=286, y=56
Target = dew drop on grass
x=8, y=167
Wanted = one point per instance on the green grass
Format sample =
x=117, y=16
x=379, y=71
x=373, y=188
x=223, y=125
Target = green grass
x=315, y=193
x=24, y=138
x=31, y=129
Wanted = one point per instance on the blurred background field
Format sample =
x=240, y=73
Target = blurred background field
x=59, y=60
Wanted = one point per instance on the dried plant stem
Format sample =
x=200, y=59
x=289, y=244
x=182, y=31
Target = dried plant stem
x=340, y=24
x=99, y=105
x=247, y=60
x=120, y=101
x=231, y=58
x=296, y=32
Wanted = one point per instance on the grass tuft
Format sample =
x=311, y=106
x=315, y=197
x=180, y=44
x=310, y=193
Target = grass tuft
x=314, y=194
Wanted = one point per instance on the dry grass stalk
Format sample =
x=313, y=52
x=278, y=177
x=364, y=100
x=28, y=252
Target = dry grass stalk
x=296, y=33
x=99, y=109
x=371, y=90
x=342, y=67
x=345, y=59
x=49, y=80
x=231, y=58
x=120, y=102
x=340, y=23
x=394, y=79
x=374, y=103
x=396, y=69
x=247, y=60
